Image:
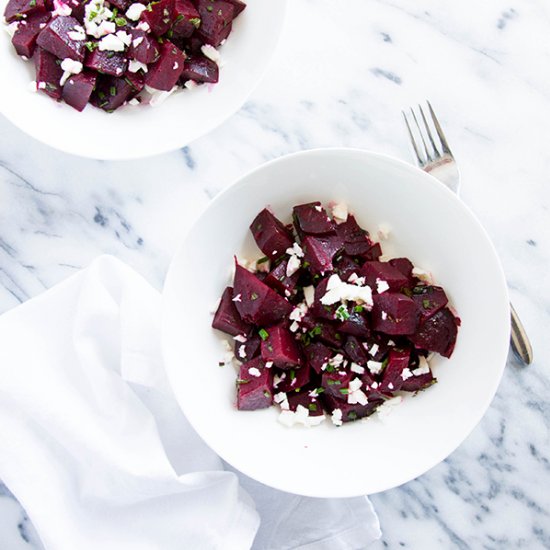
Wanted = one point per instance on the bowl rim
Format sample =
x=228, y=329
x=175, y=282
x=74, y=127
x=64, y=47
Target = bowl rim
x=241, y=181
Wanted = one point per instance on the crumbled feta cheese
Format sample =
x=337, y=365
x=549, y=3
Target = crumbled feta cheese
x=309, y=294
x=391, y=343
x=337, y=360
x=374, y=349
x=211, y=52
x=406, y=374
x=242, y=351
x=336, y=417
x=159, y=96
x=134, y=101
x=319, y=208
x=268, y=364
x=298, y=313
x=384, y=231
x=374, y=385
x=357, y=368
x=241, y=338
x=134, y=66
x=175, y=66
x=374, y=366
x=300, y=416
x=288, y=294
x=338, y=291
x=340, y=212
x=69, y=66
x=111, y=43
x=125, y=37
x=296, y=250
x=33, y=86
x=61, y=9
x=78, y=33
x=281, y=400
x=353, y=277
x=422, y=274
x=390, y=386
x=134, y=11
x=143, y=26
x=388, y=406
x=97, y=19
x=382, y=286
x=360, y=281
x=294, y=326
x=293, y=265
x=253, y=371
x=355, y=394
x=384, y=315
x=423, y=367
x=12, y=28
x=137, y=41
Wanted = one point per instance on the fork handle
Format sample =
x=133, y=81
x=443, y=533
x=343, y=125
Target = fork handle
x=519, y=339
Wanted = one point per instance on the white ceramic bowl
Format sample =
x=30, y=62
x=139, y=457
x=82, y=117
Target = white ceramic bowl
x=134, y=132
x=430, y=226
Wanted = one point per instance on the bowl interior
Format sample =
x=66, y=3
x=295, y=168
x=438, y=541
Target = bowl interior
x=431, y=227
x=133, y=132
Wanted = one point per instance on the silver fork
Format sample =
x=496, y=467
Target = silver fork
x=437, y=160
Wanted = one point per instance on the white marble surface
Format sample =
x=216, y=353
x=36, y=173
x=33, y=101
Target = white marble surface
x=344, y=70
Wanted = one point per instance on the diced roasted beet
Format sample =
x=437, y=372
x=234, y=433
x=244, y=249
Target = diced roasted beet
x=78, y=9
x=312, y=219
x=144, y=48
x=336, y=383
x=164, y=73
x=78, y=89
x=186, y=19
x=392, y=379
x=318, y=309
x=356, y=324
x=355, y=350
x=319, y=251
x=270, y=234
x=345, y=266
x=317, y=355
x=245, y=351
x=200, y=69
x=437, y=333
x=312, y=404
x=373, y=253
x=55, y=39
x=356, y=239
x=281, y=348
x=294, y=379
x=418, y=382
x=404, y=265
x=278, y=279
x=383, y=271
x=106, y=62
x=257, y=303
x=349, y=412
x=121, y=5
x=48, y=73
x=227, y=318
x=254, y=392
x=430, y=299
x=394, y=314
x=17, y=10
x=216, y=17
x=159, y=16
x=322, y=330
x=112, y=92
x=24, y=39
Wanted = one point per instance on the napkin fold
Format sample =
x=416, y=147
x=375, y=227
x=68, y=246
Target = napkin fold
x=94, y=446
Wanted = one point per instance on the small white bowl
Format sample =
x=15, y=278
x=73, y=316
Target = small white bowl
x=141, y=131
x=430, y=226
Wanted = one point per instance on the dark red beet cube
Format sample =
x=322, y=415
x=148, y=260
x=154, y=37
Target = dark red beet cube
x=319, y=251
x=355, y=351
x=322, y=330
x=429, y=299
x=270, y=234
x=345, y=266
x=317, y=356
x=318, y=309
x=373, y=253
x=164, y=73
x=312, y=404
x=278, y=279
x=254, y=392
x=356, y=239
x=106, y=62
x=394, y=314
x=200, y=69
x=404, y=265
x=245, y=351
x=186, y=19
x=238, y=6
x=392, y=379
x=312, y=219
x=227, y=318
x=78, y=89
x=121, y=5
x=24, y=39
x=418, y=382
x=159, y=16
x=383, y=271
x=112, y=92
x=349, y=412
x=356, y=324
x=78, y=7
x=48, y=73
x=336, y=383
x=216, y=17
x=55, y=39
x=143, y=48
x=281, y=348
x=294, y=379
x=437, y=333
x=18, y=10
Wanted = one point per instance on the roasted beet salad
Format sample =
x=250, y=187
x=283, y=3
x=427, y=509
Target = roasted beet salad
x=323, y=323
x=117, y=52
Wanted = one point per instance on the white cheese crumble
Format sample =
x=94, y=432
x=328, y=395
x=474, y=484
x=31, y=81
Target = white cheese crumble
x=388, y=406
x=336, y=417
x=338, y=291
x=336, y=361
x=240, y=338
x=211, y=52
x=12, y=28
x=356, y=395
x=134, y=11
x=69, y=66
x=137, y=41
x=282, y=400
x=294, y=326
x=406, y=374
x=293, y=265
x=374, y=350
x=134, y=66
x=268, y=364
x=134, y=101
x=384, y=315
x=236, y=298
x=242, y=351
x=296, y=250
x=143, y=26
x=357, y=368
x=159, y=96
x=384, y=231
x=340, y=212
x=61, y=9
x=298, y=313
x=374, y=366
x=300, y=416
x=382, y=286
x=253, y=371
x=353, y=277
x=97, y=19
x=78, y=33
x=318, y=207
x=33, y=86
x=111, y=43
x=422, y=274
x=423, y=367
x=191, y=84
x=309, y=294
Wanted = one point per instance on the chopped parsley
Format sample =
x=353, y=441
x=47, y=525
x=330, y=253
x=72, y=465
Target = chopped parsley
x=195, y=21
x=262, y=260
x=267, y=394
x=264, y=335
x=358, y=309
x=426, y=304
x=112, y=90
x=120, y=21
x=344, y=391
x=254, y=296
x=342, y=313
x=352, y=415
x=292, y=374
x=240, y=381
x=312, y=407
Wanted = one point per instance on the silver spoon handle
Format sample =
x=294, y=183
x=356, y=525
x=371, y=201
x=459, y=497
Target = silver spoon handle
x=519, y=339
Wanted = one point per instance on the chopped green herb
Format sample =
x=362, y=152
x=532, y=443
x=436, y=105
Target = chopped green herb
x=110, y=55
x=342, y=313
x=254, y=296
x=91, y=46
x=262, y=260
x=418, y=290
x=332, y=382
x=292, y=374
x=312, y=407
x=384, y=364
x=120, y=21
x=267, y=394
x=352, y=415
x=32, y=3
x=195, y=21
x=112, y=90
x=240, y=381
x=170, y=33
x=407, y=291
x=101, y=95
x=358, y=309
x=209, y=8
x=338, y=336
x=330, y=368
x=319, y=390
x=264, y=335
x=51, y=87
x=344, y=391
x=328, y=309
x=426, y=304
x=315, y=331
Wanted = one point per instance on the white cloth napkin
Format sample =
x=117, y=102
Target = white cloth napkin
x=95, y=448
